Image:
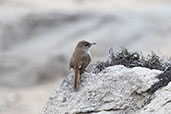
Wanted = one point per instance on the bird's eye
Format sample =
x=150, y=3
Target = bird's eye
x=86, y=44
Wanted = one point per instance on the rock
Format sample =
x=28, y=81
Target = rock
x=161, y=103
x=9, y=100
x=114, y=90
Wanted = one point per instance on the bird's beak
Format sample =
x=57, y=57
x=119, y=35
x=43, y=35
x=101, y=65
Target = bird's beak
x=93, y=43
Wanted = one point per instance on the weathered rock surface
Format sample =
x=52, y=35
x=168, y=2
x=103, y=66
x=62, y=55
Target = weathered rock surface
x=115, y=90
x=161, y=103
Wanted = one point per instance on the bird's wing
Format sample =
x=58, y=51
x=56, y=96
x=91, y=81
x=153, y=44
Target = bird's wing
x=85, y=61
x=71, y=63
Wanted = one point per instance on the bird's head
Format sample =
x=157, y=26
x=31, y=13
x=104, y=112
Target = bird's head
x=85, y=45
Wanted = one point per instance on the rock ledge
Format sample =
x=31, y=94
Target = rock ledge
x=115, y=90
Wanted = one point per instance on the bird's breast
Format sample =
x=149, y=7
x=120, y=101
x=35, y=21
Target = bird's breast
x=89, y=53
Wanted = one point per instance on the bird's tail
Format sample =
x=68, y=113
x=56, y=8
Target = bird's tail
x=76, y=79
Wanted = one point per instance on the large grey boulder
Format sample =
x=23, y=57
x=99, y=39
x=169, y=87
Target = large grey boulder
x=115, y=90
x=161, y=103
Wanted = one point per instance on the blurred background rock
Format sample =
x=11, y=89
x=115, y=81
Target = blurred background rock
x=37, y=38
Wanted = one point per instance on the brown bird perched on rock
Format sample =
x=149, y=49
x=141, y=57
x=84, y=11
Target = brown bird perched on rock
x=80, y=60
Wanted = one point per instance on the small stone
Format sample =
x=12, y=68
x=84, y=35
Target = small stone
x=13, y=97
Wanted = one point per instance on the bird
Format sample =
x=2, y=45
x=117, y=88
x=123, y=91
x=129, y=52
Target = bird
x=80, y=60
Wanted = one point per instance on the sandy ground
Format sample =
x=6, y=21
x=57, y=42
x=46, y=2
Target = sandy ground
x=28, y=100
